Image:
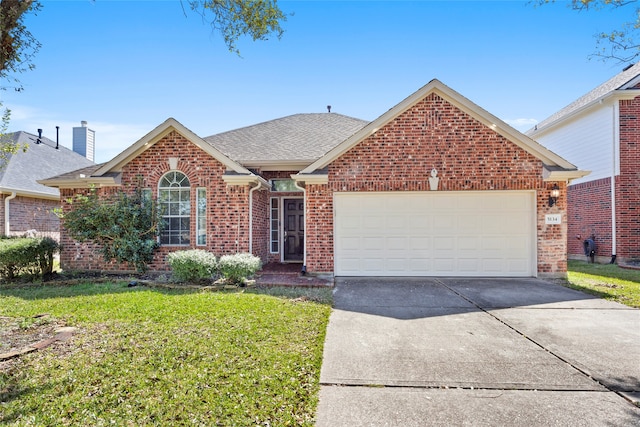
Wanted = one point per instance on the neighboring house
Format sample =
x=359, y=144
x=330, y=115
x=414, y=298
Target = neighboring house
x=350, y=198
x=600, y=132
x=24, y=203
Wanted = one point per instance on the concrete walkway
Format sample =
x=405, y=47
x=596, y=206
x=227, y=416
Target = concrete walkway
x=420, y=352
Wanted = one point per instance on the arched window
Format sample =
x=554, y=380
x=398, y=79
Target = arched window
x=174, y=196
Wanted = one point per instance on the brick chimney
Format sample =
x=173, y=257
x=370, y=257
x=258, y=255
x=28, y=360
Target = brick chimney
x=84, y=141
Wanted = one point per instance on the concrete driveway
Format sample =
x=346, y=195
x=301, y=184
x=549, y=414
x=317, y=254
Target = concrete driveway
x=458, y=351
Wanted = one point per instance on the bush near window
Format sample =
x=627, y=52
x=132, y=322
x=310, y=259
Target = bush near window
x=192, y=265
x=30, y=256
x=236, y=268
x=124, y=226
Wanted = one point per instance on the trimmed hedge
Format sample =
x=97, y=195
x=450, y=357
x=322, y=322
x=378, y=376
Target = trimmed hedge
x=30, y=256
x=236, y=268
x=192, y=265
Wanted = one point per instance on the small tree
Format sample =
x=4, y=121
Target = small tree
x=124, y=226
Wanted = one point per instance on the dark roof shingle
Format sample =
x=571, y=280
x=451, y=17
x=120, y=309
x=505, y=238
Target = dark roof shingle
x=39, y=161
x=299, y=137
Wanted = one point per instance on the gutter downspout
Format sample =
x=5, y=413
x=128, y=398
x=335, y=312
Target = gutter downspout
x=251, y=216
x=304, y=249
x=616, y=137
x=7, y=219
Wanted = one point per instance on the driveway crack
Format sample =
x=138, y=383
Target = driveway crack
x=528, y=338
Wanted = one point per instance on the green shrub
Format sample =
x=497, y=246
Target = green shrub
x=193, y=265
x=236, y=268
x=29, y=256
x=123, y=226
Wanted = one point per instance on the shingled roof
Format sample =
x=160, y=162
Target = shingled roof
x=299, y=138
x=625, y=80
x=41, y=160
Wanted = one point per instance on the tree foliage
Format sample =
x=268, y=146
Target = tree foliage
x=17, y=45
x=621, y=44
x=124, y=226
x=237, y=18
x=17, y=50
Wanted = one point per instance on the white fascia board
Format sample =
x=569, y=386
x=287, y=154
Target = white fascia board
x=277, y=165
x=562, y=175
x=619, y=95
x=237, y=179
x=315, y=178
x=169, y=125
x=81, y=182
x=31, y=194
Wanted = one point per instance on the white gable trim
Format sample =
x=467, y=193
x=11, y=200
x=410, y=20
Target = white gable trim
x=448, y=94
x=611, y=97
x=147, y=141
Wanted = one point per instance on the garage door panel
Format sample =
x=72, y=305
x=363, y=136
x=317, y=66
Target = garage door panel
x=419, y=243
x=435, y=233
x=443, y=222
x=443, y=243
x=372, y=243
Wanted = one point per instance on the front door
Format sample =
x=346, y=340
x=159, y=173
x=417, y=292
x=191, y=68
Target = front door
x=293, y=229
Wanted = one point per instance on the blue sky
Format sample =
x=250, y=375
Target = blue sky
x=126, y=66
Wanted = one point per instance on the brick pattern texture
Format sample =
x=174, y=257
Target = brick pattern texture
x=468, y=156
x=589, y=214
x=628, y=183
x=28, y=213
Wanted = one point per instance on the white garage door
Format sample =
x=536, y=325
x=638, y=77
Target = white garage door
x=465, y=233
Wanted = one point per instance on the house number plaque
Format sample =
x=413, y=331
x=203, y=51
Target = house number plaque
x=553, y=219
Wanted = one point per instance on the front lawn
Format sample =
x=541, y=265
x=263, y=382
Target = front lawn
x=608, y=281
x=146, y=356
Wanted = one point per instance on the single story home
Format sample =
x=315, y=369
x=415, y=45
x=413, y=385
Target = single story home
x=599, y=131
x=435, y=186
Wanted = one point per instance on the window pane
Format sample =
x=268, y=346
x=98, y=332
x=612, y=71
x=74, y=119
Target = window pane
x=201, y=218
x=274, y=226
x=284, y=185
x=175, y=205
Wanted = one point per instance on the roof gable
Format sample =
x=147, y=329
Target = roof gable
x=623, y=84
x=162, y=130
x=436, y=87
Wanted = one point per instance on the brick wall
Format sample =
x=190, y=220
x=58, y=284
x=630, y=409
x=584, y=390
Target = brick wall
x=28, y=213
x=589, y=214
x=628, y=185
x=467, y=155
x=227, y=206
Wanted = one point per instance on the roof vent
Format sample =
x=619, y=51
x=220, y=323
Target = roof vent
x=627, y=67
x=328, y=108
x=39, y=140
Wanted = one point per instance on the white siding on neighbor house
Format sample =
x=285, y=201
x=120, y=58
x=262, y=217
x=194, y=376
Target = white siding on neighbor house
x=586, y=142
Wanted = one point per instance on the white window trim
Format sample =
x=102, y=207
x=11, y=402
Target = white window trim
x=271, y=220
x=198, y=217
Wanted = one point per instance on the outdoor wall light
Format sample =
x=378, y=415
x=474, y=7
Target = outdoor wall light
x=555, y=193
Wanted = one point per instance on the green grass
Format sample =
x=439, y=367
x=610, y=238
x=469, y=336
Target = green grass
x=167, y=357
x=607, y=281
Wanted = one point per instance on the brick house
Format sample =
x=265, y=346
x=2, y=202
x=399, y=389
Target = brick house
x=600, y=131
x=435, y=186
x=24, y=203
